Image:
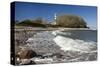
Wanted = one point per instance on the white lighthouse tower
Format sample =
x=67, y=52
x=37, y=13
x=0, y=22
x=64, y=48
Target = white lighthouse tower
x=55, y=17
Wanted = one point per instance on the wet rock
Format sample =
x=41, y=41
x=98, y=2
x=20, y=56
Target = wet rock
x=26, y=53
x=27, y=62
x=58, y=55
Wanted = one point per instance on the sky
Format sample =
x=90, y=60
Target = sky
x=24, y=10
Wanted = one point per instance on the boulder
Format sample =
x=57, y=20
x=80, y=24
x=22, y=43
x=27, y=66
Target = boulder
x=26, y=53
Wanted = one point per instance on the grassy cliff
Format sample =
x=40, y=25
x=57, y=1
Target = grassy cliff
x=67, y=21
x=71, y=21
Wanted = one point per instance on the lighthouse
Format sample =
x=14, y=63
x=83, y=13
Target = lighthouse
x=55, y=17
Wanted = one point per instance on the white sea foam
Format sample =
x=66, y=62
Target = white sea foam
x=60, y=32
x=75, y=44
x=66, y=43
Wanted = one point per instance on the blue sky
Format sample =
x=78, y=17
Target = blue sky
x=32, y=11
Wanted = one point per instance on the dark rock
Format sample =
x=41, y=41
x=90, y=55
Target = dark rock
x=25, y=53
x=58, y=55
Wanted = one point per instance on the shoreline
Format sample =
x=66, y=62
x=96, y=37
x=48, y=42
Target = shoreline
x=50, y=29
x=42, y=44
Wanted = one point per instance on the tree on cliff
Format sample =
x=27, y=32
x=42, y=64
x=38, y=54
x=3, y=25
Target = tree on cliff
x=71, y=21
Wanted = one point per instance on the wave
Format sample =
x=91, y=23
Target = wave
x=67, y=44
x=60, y=33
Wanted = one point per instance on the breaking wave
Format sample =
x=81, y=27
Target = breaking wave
x=70, y=44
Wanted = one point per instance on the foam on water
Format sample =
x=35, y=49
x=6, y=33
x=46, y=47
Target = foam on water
x=64, y=42
x=59, y=32
x=74, y=44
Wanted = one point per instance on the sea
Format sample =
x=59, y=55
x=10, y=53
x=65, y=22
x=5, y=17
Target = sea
x=75, y=45
x=77, y=40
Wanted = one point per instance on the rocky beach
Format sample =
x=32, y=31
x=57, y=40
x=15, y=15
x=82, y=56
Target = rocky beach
x=43, y=47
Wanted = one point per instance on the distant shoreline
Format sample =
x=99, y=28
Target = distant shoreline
x=49, y=29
